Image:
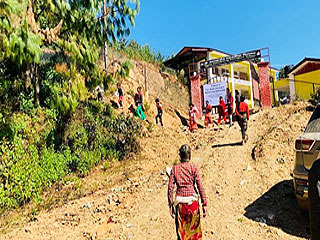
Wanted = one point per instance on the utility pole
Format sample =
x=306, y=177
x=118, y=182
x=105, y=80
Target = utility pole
x=145, y=82
x=105, y=42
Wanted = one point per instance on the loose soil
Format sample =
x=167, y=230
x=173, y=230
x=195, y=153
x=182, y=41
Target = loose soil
x=249, y=188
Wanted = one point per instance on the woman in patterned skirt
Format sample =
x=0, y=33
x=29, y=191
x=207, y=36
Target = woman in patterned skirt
x=185, y=208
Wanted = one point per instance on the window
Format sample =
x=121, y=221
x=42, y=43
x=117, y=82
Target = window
x=244, y=76
x=236, y=75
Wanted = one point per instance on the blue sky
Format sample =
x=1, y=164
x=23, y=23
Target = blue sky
x=291, y=29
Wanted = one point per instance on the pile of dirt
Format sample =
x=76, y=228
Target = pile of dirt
x=280, y=127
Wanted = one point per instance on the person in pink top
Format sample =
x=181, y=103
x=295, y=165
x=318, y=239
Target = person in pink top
x=193, y=111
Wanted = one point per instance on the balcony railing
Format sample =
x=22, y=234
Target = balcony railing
x=194, y=69
x=219, y=78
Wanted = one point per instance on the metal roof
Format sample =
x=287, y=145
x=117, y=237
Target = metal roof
x=185, y=55
x=303, y=63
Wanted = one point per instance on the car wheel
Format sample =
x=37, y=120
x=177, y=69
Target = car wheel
x=303, y=204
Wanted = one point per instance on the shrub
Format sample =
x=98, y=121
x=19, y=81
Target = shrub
x=315, y=97
x=134, y=51
x=146, y=106
x=31, y=161
x=181, y=77
x=125, y=132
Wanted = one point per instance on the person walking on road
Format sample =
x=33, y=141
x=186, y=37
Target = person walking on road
x=159, y=112
x=230, y=109
x=208, y=118
x=237, y=99
x=193, y=119
x=243, y=118
x=222, y=111
x=185, y=208
x=138, y=99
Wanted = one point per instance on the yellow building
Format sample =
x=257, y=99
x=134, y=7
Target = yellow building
x=303, y=80
x=239, y=76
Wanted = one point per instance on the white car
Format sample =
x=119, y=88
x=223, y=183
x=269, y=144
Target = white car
x=307, y=152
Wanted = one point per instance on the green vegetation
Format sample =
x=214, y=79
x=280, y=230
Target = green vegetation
x=39, y=148
x=182, y=78
x=315, y=98
x=134, y=51
x=50, y=123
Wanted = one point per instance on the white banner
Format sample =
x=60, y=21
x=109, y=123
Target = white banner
x=213, y=91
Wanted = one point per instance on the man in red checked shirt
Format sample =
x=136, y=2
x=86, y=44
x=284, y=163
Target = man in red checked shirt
x=243, y=118
x=185, y=207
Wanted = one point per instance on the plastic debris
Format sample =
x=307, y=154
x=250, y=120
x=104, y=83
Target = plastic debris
x=281, y=160
x=87, y=205
x=110, y=219
x=168, y=170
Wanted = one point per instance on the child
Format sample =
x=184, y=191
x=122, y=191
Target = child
x=208, y=118
x=192, y=114
x=222, y=111
x=120, y=95
x=159, y=110
x=138, y=99
x=230, y=109
x=100, y=93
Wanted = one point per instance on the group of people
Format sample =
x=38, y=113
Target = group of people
x=138, y=100
x=241, y=113
x=184, y=180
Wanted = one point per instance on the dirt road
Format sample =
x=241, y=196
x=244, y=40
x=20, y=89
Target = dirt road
x=249, y=188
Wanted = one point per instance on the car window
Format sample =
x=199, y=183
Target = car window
x=314, y=122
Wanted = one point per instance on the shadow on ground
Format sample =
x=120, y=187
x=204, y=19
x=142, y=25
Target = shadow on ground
x=183, y=120
x=132, y=109
x=310, y=108
x=114, y=104
x=279, y=208
x=227, y=145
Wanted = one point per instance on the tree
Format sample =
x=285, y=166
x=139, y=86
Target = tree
x=282, y=73
x=70, y=28
x=115, y=15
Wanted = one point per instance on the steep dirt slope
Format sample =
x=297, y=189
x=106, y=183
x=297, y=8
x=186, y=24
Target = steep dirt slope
x=151, y=79
x=248, y=187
